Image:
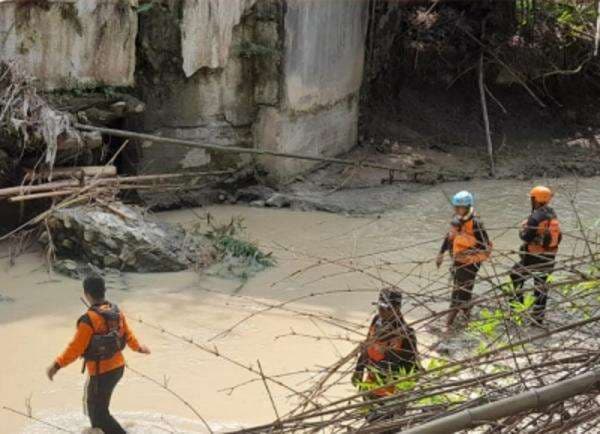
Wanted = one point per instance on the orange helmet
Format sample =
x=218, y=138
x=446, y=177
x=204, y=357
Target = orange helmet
x=541, y=194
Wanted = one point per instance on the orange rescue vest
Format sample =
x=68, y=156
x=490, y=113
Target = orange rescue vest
x=376, y=352
x=464, y=245
x=548, y=237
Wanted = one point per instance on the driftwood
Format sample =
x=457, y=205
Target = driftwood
x=69, y=172
x=65, y=187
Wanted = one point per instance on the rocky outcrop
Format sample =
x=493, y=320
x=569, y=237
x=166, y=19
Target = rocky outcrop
x=128, y=241
x=113, y=237
x=71, y=44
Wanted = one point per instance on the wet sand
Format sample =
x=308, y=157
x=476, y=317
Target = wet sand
x=37, y=324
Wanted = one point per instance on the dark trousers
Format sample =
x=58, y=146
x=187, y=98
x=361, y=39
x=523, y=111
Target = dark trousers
x=464, y=281
x=538, y=267
x=99, y=390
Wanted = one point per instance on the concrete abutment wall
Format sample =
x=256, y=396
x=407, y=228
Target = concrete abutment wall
x=273, y=74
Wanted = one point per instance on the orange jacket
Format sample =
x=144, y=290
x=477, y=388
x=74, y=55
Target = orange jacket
x=86, y=326
x=389, y=347
x=468, y=242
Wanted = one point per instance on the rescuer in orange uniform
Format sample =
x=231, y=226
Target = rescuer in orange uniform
x=469, y=245
x=390, y=351
x=541, y=236
x=102, y=333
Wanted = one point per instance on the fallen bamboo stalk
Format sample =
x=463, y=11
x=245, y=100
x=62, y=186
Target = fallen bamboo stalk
x=531, y=400
x=70, y=172
x=22, y=190
x=230, y=149
x=106, y=189
x=44, y=195
x=80, y=195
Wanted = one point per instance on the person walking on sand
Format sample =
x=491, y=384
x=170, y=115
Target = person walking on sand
x=102, y=333
x=541, y=236
x=469, y=245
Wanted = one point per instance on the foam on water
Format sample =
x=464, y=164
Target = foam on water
x=135, y=422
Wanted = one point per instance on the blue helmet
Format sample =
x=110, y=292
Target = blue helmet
x=463, y=198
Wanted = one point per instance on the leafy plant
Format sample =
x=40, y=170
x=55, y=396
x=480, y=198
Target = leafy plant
x=228, y=254
x=378, y=379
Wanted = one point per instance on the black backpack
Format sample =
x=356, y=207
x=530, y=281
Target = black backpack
x=105, y=346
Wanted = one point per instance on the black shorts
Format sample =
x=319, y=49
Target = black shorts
x=464, y=281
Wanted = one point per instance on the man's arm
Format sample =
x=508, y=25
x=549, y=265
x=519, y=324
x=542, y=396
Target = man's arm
x=74, y=350
x=529, y=231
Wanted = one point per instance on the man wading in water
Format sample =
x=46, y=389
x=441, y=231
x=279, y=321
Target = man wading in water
x=388, y=354
x=541, y=236
x=469, y=246
x=102, y=333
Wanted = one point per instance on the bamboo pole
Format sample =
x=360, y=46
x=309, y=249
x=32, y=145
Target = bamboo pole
x=531, y=400
x=71, y=172
x=230, y=149
x=43, y=195
x=50, y=186
x=484, y=108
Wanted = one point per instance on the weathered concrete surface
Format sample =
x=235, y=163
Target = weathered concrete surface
x=207, y=32
x=67, y=45
x=324, y=51
x=325, y=133
x=160, y=157
x=321, y=77
x=212, y=105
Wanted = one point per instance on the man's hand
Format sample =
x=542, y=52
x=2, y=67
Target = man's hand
x=52, y=370
x=144, y=349
x=439, y=260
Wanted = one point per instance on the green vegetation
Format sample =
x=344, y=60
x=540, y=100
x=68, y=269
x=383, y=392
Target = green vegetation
x=228, y=254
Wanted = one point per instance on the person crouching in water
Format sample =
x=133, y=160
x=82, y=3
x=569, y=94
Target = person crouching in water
x=541, y=235
x=389, y=352
x=469, y=245
x=102, y=333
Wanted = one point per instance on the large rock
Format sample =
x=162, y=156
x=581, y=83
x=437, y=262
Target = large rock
x=67, y=45
x=108, y=240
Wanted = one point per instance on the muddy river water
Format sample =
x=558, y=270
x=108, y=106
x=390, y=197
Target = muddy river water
x=39, y=310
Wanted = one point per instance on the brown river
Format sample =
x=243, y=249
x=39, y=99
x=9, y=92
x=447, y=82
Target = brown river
x=39, y=310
